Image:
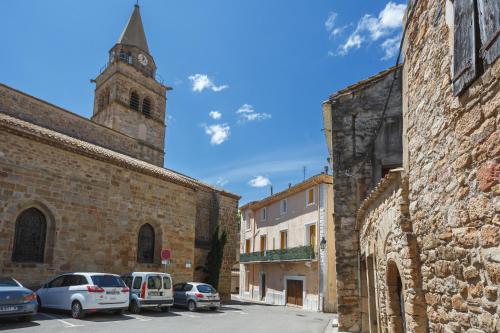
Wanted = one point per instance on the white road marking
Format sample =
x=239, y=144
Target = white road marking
x=190, y=315
x=66, y=323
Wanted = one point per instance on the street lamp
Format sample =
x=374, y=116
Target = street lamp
x=322, y=244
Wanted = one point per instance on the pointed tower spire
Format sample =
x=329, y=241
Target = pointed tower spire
x=133, y=34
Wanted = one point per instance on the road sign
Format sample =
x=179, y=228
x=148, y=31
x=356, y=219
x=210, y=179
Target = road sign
x=166, y=254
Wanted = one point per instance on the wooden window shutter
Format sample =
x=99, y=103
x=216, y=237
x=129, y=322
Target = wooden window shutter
x=489, y=24
x=464, y=46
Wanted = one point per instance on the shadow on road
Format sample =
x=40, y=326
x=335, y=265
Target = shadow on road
x=13, y=323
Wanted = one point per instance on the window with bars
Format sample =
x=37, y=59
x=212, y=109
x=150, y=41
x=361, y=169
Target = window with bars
x=29, y=236
x=134, y=101
x=146, y=106
x=146, y=244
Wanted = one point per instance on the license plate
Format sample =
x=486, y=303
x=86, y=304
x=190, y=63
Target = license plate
x=112, y=292
x=8, y=308
x=155, y=293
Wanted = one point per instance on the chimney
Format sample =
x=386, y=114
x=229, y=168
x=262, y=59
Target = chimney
x=271, y=189
x=326, y=169
x=289, y=185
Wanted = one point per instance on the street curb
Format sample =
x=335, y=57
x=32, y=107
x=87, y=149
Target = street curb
x=332, y=326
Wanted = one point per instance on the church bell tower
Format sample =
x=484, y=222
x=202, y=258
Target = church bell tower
x=128, y=97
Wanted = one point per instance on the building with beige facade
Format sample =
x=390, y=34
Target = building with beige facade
x=286, y=245
x=81, y=194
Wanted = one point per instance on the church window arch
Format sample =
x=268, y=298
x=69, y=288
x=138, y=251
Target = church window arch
x=146, y=244
x=146, y=106
x=30, y=236
x=134, y=101
x=123, y=55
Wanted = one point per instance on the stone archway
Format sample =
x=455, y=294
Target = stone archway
x=395, y=299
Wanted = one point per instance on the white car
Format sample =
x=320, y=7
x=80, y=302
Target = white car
x=82, y=293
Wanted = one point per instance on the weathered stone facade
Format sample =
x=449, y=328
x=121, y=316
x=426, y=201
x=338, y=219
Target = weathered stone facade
x=352, y=118
x=429, y=233
x=453, y=156
x=95, y=187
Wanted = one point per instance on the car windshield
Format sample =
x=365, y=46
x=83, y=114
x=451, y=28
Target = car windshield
x=206, y=288
x=104, y=281
x=8, y=282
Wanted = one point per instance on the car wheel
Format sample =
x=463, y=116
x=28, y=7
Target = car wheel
x=213, y=308
x=191, y=306
x=118, y=312
x=76, y=310
x=135, y=308
x=25, y=319
x=165, y=309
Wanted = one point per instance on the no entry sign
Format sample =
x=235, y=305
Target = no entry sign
x=166, y=254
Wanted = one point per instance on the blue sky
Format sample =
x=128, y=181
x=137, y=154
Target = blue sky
x=249, y=77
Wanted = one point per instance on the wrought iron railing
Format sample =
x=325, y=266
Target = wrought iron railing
x=294, y=253
x=156, y=76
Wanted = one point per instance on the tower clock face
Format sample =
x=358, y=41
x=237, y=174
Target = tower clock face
x=142, y=59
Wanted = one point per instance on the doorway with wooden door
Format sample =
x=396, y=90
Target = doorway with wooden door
x=294, y=292
x=262, y=286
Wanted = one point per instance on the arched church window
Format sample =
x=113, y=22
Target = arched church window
x=146, y=106
x=106, y=98
x=29, y=236
x=123, y=56
x=146, y=244
x=134, y=101
x=100, y=102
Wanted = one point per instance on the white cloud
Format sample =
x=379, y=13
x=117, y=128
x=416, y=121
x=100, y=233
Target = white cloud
x=221, y=181
x=259, y=181
x=245, y=108
x=247, y=113
x=215, y=114
x=218, y=133
x=391, y=46
x=330, y=21
x=371, y=29
x=202, y=81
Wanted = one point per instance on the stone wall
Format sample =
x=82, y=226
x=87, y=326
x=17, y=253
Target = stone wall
x=95, y=201
x=36, y=111
x=386, y=238
x=119, y=80
x=214, y=209
x=356, y=113
x=453, y=168
x=94, y=210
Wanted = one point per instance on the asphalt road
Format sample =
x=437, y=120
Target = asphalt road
x=232, y=317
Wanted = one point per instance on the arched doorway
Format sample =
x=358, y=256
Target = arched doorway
x=395, y=299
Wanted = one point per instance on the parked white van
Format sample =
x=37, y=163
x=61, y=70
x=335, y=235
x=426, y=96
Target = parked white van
x=82, y=293
x=149, y=290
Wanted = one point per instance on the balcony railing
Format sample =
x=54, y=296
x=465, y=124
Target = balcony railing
x=291, y=254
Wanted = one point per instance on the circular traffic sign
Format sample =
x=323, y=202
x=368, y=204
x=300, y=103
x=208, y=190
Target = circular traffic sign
x=166, y=254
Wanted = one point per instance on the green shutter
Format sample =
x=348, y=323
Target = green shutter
x=489, y=24
x=464, y=46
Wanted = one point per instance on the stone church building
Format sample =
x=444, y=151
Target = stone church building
x=417, y=183
x=93, y=195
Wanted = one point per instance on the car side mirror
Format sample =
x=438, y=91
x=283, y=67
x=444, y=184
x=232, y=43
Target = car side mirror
x=46, y=285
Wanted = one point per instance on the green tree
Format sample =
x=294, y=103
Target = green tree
x=214, y=258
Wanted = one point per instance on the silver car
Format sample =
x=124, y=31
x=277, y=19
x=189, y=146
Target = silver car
x=16, y=301
x=196, y=295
